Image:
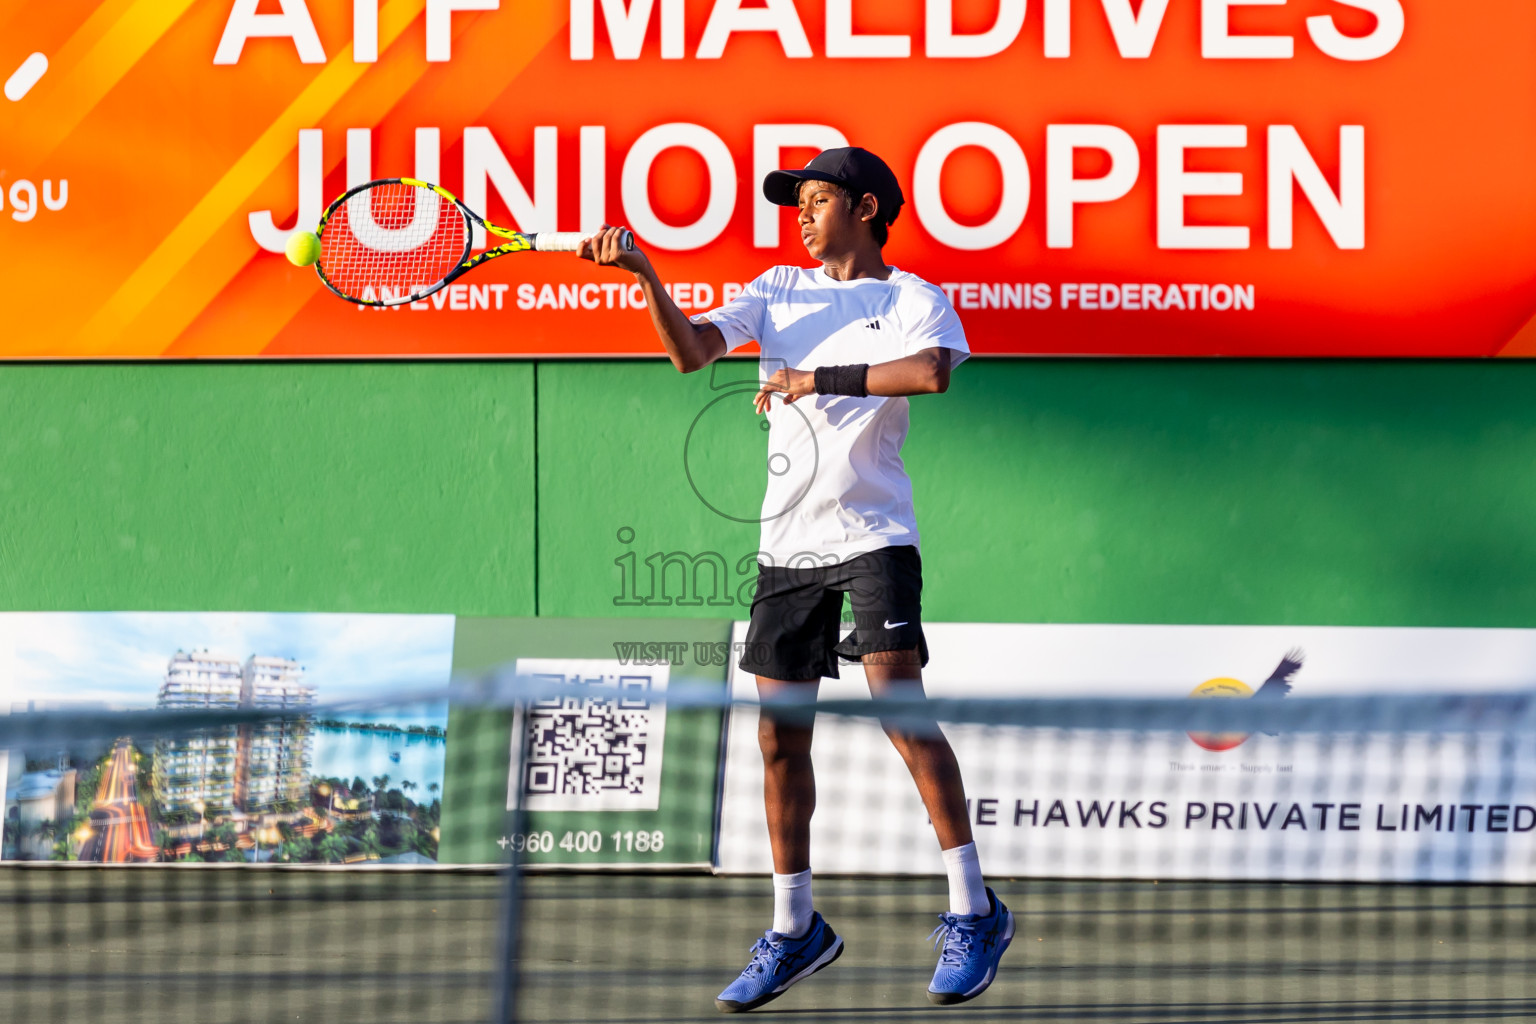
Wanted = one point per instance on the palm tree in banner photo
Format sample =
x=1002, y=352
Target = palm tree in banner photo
x=423, y=843
x=380, y=784
x=333, y=848
x=371, y=844
x=222, y=843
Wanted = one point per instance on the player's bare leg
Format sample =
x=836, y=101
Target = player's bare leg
x=800, y=943
x=927, y=753
x=978, y=928
x=789, y=783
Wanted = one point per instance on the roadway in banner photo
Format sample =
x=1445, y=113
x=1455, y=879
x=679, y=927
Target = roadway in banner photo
x=1124, y=804
x=1179, y=177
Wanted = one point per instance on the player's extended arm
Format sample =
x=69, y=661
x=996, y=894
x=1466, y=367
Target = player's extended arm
x=922, y=373
x=691, y=346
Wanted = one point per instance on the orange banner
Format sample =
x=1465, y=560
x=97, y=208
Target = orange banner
x=1168, y=177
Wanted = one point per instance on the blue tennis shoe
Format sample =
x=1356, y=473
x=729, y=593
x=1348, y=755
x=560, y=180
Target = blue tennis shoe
x=970, y=948
x=779, y=961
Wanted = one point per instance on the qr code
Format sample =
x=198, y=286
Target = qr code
x=598, y=753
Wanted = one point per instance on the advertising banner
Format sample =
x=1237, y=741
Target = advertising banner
x=1053, y=802
x=605, y=782
x=333, y=787
x=360, y=780
x=1174, y=177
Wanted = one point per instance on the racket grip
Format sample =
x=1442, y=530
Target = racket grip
x=570, y=241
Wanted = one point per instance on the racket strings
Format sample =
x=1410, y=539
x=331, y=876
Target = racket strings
x=392, y=242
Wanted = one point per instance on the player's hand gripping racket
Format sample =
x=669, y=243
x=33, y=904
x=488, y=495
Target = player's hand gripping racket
x=398, y=240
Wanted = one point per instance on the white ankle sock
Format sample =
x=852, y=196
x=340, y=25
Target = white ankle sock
x=792, y=903
x=967, y=892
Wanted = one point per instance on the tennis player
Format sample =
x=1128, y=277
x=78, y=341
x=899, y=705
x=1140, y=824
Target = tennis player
x=853, y=338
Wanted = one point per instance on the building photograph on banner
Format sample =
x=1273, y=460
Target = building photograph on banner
x=327, y=786
x=1354, y=804
x=1185, y=178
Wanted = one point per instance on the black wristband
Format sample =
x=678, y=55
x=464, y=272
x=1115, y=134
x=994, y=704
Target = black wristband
x=843, y=380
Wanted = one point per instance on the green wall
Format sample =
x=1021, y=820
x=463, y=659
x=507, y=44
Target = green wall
x=1047, y=490
x=324, y=487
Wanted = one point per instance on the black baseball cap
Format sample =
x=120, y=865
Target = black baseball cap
x=857, y=170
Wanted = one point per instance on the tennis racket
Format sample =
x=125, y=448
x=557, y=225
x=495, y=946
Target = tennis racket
x=398, y=240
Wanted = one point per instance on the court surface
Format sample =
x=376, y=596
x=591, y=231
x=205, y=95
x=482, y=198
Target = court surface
x=235, y=945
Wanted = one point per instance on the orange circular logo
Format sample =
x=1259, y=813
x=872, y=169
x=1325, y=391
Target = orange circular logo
x=1220, y=687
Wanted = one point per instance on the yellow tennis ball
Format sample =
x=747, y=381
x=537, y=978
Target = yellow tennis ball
x=303, y=248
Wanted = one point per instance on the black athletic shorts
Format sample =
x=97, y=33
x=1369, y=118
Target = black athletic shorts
x=796, y=614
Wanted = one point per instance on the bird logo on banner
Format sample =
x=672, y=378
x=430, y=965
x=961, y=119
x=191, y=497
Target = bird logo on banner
x=1274, y=688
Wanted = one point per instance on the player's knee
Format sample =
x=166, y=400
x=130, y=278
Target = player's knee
x=912, y=736
x=899, y=733
x=780, y=741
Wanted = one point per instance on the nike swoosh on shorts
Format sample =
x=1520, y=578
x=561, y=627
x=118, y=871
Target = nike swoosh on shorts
x=892, y=625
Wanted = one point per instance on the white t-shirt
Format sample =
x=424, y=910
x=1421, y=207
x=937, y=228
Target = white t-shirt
x=836, y=482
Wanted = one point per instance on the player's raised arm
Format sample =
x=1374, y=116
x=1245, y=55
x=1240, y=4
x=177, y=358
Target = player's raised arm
x=692, y=346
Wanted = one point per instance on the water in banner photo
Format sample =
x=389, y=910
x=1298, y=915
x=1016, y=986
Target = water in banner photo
x=329, y=787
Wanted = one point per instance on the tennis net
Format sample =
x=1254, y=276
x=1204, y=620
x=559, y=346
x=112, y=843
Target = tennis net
x=597, y=852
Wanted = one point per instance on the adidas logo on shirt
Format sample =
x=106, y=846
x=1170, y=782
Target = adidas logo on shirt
x=873, y=325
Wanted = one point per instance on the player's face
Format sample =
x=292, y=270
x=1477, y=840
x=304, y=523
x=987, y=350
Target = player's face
x=827, y=227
